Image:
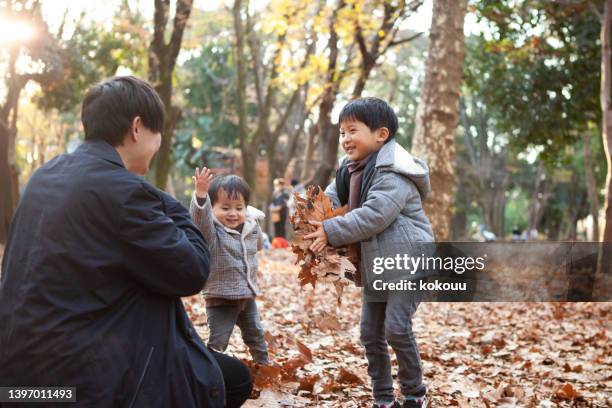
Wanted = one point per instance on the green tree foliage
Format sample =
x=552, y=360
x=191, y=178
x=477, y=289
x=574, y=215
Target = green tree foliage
x=536, y=69
x=210, y=105
x=540, y=65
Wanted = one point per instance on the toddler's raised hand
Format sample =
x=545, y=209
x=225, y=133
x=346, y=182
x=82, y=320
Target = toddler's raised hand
x=202, y=181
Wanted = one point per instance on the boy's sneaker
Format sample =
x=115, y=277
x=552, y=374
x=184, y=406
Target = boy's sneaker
x=420, y=402
x=395, y=404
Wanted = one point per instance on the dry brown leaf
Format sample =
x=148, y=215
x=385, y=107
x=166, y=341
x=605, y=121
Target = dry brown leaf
x=328, y=322
x=575, y=369
x=346, y=376
x=308, y=381
x=567, y=392
x=290, y=367
x=265, y=376
x=271, y=341
x=331, y=265
x=304, y=350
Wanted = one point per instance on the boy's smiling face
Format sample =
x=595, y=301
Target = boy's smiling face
x=358, y=140
x=230, y=211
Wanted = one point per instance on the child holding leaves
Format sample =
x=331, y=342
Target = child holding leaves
x=383, y=186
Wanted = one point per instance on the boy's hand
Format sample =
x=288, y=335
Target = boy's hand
x=319, y=236
x=202, y=181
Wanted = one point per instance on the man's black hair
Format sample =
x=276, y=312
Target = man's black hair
x=373, y=112
x=110, y=107
x=233, y=186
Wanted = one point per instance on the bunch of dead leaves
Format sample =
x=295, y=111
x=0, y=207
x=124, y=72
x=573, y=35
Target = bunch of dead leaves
x=332, y=264
x=293, y=370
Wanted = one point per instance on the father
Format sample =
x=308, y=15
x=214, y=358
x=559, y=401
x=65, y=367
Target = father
x=95, y=265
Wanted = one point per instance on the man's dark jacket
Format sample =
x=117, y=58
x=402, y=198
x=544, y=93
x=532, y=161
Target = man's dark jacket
x=95, y=265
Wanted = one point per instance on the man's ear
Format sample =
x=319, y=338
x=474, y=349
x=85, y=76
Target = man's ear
x=382, y=135
x=135, y=129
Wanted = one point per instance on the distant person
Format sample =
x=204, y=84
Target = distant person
x=485, y=234
x=267, y=244
x=279, y=207
x=517, y=233
x=95, y=265
x=220, y=208
x=384, y=186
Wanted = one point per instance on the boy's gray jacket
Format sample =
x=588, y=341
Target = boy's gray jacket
x=233, y=262
x=391, y=219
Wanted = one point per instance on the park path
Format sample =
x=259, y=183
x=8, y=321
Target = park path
x=474, y=355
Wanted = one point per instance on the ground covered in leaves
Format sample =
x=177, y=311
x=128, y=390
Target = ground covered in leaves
x=474, y=355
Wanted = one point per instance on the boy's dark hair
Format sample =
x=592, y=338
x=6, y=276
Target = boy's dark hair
x=373, y=112
x=233, y=186
x=110, y=107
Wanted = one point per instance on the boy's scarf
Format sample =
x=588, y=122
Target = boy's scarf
x=351, y=179
x=355, y=169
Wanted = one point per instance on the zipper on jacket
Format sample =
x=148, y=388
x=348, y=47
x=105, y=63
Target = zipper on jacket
x=144, y=371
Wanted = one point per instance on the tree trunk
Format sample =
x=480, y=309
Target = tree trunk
x=6, y=185
x=605, y=258
x=249, y=156
x=273, y=172
x=459, y=225
x=162, y=60
x=574, y=213
x=497, y=213
x=606, y=108
x=533, y=205
x=294, y=129
x=591, y=184
x=328, y=140
x=541, y=195
x=8, y=133
x=438, y=112
x=361, y=80
x=14, y=82
x=308, y=153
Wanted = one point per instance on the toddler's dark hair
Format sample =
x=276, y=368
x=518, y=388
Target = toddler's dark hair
x=373, y=112
x=233, y=186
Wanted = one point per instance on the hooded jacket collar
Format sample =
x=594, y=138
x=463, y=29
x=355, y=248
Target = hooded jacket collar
x=393, y=157
x=253, y=215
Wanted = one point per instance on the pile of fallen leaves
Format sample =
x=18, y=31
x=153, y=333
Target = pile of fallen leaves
x=332, y=264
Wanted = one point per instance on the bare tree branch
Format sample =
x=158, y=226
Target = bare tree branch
x=405, y=40
x=60, y=30
x=596, y=11
x=255, y=57
x=183, y=10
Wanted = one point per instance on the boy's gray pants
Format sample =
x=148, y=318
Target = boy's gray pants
x=390, y=323
x=221, y=322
